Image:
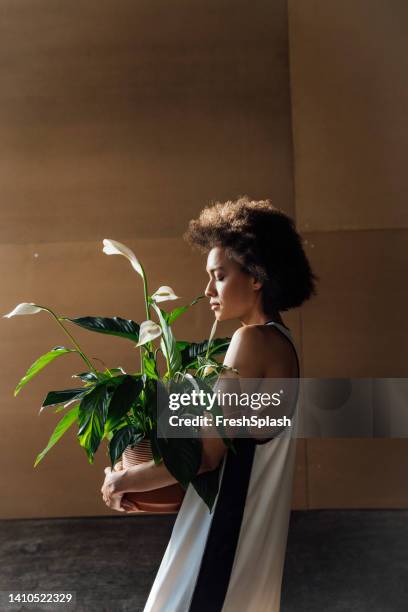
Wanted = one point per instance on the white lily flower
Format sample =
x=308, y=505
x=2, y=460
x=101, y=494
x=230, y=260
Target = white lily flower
x=112, y=247
x=163, y=294
x=149, y=330
x=23, y=309
x=209, y=369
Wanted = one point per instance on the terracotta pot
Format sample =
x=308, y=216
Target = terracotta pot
x=164, y=500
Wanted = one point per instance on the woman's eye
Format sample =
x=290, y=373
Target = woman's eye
x=220, y=278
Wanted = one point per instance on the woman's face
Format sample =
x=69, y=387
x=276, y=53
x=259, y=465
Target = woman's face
x=232, y=292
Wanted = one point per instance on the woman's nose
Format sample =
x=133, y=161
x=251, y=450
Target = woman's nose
x=210, y=289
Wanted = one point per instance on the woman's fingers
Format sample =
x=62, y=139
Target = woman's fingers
x=114, y=502
x=119, y=503
x=129, y=506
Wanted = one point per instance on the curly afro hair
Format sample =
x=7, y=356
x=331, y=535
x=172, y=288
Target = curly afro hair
x=263, y=240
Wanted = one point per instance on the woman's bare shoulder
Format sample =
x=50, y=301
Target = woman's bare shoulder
x=275, y=352
x=245, y=351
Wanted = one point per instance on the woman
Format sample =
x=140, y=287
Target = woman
x=231, y=559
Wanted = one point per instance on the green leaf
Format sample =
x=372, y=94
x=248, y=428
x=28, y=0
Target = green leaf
x=59, y=409
x=149, y=365
x=168, y=342
x=93, y=411
x=114, y=326
x=113, y=371
x=182, y=457
x=207, y=484
x=41, y=362
x=90, y=377
x=67, y=420
x=150, y=397
x=121, y=401
x=174, y=314
x=183, y=344
x=190, y=351
x=54, y=398
x=126, y=436
x=108, y=374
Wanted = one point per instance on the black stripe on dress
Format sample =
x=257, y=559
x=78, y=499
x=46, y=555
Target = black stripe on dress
x=218, y=557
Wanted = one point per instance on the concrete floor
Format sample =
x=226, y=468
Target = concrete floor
x=337, y=561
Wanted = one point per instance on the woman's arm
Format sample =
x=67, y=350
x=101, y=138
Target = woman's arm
x=144, y=477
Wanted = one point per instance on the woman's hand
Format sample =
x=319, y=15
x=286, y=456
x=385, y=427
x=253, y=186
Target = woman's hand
x=113, y=493
x=110, y=488
x=113, y=484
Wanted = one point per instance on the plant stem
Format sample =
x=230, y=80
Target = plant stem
x=107, y=369
x=146, y=295
x=166, y=355
x=141, y=360
x=147, y=307
x=214, y=327
x=80, y=351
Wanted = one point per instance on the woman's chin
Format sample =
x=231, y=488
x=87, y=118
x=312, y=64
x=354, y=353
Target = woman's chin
x=219, y=316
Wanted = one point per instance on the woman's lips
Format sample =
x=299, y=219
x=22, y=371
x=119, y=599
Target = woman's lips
x=213, y=306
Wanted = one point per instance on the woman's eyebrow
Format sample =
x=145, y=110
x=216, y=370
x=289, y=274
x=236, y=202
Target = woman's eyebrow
x=215, y=268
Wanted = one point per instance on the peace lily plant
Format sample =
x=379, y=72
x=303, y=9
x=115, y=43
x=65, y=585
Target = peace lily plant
x=121, y=407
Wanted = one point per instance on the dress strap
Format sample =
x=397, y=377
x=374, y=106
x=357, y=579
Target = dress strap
x=287, y=333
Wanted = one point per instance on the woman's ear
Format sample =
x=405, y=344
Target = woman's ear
x=256, y=284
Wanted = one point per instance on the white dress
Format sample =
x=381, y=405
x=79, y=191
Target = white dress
x=231, y=560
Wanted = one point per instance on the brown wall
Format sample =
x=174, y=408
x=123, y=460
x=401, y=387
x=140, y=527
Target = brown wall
x=121, y=120
x=349, y=92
